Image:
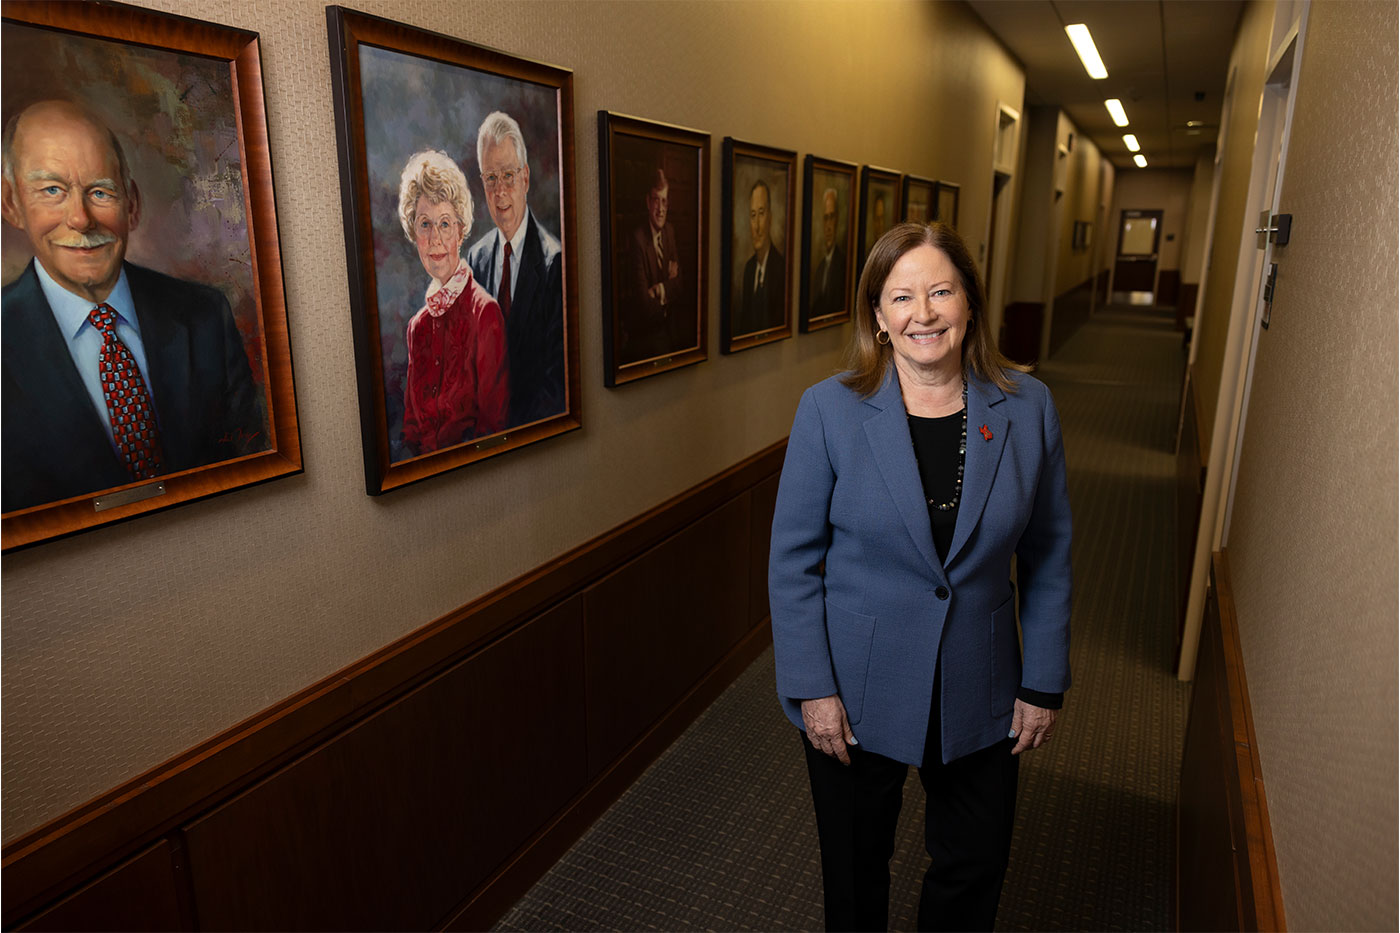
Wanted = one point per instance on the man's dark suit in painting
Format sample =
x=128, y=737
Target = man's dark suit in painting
x=535, y=325
x=207, y=405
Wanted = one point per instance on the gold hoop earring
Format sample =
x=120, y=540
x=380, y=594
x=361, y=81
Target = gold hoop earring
x=882, y=337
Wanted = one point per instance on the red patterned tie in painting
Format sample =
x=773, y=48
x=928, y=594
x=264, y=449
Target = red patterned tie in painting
x=128, y=403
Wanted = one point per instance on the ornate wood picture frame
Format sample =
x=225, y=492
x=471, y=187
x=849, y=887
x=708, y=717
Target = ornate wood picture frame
x=190, y=391
x=879, y=199
x=828, y=243
x=758, y=233
x=450, y=153
x=917, y=203
x=945, y=202
x=654, y=189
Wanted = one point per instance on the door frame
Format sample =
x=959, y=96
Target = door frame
x=1277, y=100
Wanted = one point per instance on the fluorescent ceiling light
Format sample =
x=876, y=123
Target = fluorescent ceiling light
x=1141, y=160
x=1131, y=142
x=1088, y=54
x=1115, y=110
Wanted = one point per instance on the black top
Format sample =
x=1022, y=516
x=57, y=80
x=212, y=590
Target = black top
x=936, y=450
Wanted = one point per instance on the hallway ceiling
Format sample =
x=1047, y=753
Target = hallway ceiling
x=1160, y=54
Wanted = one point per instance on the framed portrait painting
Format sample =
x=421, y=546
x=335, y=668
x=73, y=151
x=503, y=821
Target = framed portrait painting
x=945, y=199
x=757, y=242
x=879, y=200
x=828, y=243
x=457, y=180
x=918, y=201
x=146, y=356
x=654, y=185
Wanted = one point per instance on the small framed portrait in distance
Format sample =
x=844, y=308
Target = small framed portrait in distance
x=879, y=202
x=828, y=243
x=654, y=184
x=457, y=181
x=757, y=244
x=945, y=200
x=918, y=206
x=152, y=366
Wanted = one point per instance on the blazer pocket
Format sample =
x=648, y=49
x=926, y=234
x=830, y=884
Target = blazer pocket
x=1006, y=657
x=850, y=636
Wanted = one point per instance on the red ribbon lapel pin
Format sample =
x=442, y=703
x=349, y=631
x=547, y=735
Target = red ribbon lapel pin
x=986, y=432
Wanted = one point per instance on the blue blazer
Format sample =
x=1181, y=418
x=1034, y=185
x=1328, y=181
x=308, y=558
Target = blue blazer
x=861, y=605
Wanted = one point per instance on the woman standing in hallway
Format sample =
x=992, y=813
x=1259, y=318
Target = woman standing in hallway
x=910, y=482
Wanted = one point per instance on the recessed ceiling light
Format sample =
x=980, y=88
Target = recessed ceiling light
x=1088, y=53
x=1140, y=160
x=1115, y=110
x=1131, y=142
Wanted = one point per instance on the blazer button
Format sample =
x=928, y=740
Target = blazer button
x=941, y=592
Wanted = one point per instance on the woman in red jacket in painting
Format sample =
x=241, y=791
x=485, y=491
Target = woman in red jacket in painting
x=458, y=387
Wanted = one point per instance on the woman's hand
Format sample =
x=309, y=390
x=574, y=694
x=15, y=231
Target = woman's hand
x=1031, y=726
x=827, y=728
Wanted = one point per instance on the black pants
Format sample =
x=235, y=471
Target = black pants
x=971, y=805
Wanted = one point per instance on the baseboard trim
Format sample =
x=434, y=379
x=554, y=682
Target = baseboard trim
x=1226, y=869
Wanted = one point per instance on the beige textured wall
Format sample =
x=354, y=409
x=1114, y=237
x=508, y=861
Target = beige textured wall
x=126, y=645
x=1083, y=179
x=1150, y=189
x=1247, y=64
x=1035, y=221
x=1193, y=247
x=1312, y=540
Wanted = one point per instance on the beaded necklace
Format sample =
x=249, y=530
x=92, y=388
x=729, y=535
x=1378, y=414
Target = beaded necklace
x=962, y=461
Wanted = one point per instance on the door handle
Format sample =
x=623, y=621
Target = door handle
x=1276, y=227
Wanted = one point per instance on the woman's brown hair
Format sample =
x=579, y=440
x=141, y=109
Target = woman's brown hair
x=868, y=360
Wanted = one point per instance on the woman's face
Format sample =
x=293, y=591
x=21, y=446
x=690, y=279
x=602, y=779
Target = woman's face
x=923, y=306
x=438, y=233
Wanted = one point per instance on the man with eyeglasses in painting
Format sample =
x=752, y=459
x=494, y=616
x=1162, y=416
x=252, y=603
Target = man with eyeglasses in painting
x=521, y=264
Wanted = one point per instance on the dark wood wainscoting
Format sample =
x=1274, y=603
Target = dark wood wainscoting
x=1020, y=331
x=1186, y=303
x=1226, y=872
x=430, y=784
x=1072, y=310
x=1168, y=288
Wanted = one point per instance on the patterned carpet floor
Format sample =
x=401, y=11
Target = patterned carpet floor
x=718, y=833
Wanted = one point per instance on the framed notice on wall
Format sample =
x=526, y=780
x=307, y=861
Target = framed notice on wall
x=146, y=357
x=457, y=179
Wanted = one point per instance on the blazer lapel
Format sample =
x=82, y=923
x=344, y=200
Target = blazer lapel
x=491, y=266
x=167, y=341
x=530, y=253
x=983, y=456
x=888, y=433
x=37, y=360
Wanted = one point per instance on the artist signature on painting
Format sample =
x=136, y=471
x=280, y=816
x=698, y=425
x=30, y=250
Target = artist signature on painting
x=241, y=438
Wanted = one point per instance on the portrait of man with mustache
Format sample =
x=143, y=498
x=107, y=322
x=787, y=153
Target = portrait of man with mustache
x=113, y=373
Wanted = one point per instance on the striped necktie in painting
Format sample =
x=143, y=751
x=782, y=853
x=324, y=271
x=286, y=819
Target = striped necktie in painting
x=128, y=403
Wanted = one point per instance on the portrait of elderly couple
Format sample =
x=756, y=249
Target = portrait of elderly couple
x=466, y=213
x=133, y=346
